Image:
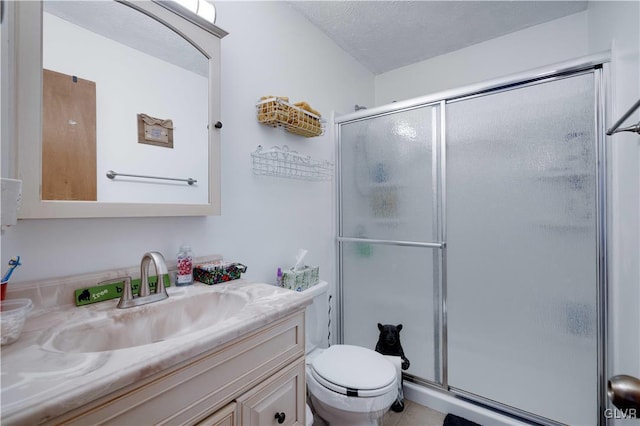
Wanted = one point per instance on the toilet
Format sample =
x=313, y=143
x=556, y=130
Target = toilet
x=347, y=385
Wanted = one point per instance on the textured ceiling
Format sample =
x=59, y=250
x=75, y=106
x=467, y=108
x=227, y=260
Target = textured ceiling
x=383, y=35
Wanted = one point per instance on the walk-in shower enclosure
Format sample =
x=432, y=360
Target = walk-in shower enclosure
x=475, y=218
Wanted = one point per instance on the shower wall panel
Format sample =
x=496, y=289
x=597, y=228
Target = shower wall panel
x=388, y=192
x=387, y=176
x=392, y=285
x=522, y=275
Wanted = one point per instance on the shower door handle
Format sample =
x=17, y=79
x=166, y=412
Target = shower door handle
x=624, y=392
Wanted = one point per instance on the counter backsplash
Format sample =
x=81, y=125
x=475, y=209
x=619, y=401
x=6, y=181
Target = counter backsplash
x=55, y=292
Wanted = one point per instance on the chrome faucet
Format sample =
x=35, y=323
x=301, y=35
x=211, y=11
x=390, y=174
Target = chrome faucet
x=145, y=296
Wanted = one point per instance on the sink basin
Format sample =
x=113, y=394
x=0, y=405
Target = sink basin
x=142, y=325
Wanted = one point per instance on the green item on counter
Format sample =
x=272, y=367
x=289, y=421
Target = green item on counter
x=100, y=293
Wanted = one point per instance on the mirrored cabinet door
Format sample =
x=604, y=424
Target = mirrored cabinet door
x=116, y=105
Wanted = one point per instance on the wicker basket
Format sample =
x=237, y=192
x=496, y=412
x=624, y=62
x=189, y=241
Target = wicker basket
x=277, y=112
x=303, y=123
x=273, y=112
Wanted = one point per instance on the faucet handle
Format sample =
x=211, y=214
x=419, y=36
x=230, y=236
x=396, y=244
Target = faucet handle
x=127, y=292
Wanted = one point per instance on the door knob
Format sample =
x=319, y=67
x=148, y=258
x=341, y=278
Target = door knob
x=280, y=417
x=624, y=392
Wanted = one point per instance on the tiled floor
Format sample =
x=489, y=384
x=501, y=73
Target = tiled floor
x=413, y=414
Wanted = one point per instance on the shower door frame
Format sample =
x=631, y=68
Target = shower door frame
x=597, y=64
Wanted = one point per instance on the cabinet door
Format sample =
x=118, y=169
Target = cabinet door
x=279, y=400
x=68, y=137
x=223, y=417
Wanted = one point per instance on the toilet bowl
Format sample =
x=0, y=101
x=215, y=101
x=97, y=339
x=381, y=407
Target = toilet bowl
x=308, y=416
x=351, y=385
x=347, y=385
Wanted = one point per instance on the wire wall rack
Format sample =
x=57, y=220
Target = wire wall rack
x=281, y=162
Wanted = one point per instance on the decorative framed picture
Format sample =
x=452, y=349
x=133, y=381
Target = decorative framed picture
x=155, y=131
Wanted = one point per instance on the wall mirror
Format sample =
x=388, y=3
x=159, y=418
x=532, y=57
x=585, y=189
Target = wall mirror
x=116, y=109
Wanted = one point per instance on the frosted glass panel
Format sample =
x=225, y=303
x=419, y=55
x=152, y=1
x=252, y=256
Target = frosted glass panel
x=521, y=248
x=386, y=176
x=392, y=285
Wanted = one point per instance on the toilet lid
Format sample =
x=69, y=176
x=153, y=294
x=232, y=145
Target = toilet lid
x=354, y=371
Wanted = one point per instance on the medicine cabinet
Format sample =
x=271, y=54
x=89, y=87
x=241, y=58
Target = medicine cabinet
x=120, y=99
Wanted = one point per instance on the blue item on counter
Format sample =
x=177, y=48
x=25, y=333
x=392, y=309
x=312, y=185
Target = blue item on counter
x=13, y=264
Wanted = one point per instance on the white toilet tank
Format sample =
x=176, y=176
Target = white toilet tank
x=317, y=317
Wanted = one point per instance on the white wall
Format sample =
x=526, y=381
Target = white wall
x=270, y=50
x=145, y=84
x=616, y=26
x=543, y=44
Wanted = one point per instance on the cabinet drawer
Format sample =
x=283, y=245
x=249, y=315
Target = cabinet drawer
x=280, y=400
x=226, y=416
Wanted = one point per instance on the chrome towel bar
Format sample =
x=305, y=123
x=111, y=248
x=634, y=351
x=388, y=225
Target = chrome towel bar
x=436, y=244
x=635, y=129
x=112, y=175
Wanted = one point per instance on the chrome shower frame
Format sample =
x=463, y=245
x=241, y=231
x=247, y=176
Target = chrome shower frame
x=597, y=64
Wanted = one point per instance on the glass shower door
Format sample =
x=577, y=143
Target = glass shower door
x=388, y=233
x=522, y=277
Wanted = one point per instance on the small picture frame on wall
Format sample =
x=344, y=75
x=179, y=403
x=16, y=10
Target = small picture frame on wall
x=155, y=131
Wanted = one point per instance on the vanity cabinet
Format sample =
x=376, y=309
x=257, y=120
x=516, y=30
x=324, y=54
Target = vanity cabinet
x=255, y=379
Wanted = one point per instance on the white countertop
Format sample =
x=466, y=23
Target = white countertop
x=40, y=383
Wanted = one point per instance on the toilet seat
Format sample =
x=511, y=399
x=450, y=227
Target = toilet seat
x=354, y=371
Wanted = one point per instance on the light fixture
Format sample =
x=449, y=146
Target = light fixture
x=202, y=8
x=191, y=5
x=207, y=11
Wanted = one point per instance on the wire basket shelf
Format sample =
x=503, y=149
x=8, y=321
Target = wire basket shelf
x=281, y=162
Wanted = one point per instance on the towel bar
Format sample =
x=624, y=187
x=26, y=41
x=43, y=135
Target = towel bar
x=112, y=175
x=635, y=129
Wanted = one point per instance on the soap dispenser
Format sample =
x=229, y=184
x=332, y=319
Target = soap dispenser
x=185, y=266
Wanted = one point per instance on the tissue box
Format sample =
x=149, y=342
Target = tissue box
x=301, y=279
x=218, y=272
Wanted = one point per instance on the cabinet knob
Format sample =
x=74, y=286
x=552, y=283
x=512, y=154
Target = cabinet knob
x=218, y=125
x=280, y=417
